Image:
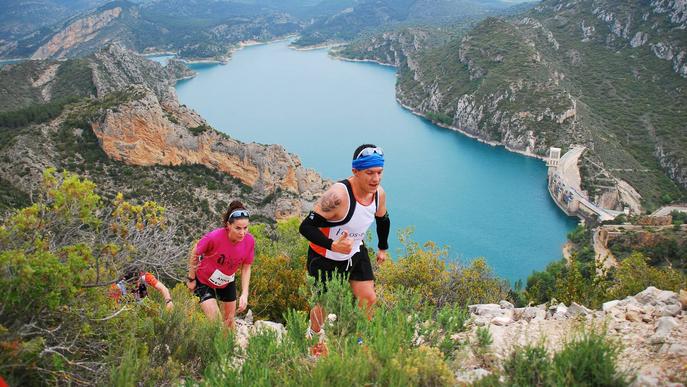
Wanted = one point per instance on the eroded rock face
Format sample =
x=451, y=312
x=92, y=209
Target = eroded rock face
x=77, y=32
x=140, y=132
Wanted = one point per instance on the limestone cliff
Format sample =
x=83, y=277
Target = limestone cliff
x=134, y=118
x=77, y=32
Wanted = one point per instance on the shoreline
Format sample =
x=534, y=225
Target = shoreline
x=343, y=58
x=317, y=46
x=450, y=127
x=468, y=134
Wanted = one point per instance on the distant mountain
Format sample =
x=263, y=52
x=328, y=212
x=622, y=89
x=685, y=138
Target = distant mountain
x=373, y=15
x=210, y=29
x=19, y=17
x=607, y=74
x=195, y=29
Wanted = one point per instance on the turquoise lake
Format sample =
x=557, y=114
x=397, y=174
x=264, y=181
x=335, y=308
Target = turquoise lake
x=475, y=199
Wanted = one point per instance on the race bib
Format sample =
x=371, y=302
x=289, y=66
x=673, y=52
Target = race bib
x=220, y=279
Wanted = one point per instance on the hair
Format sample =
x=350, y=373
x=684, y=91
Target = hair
x=131, y=272
x=360, y=148
x=233, y=206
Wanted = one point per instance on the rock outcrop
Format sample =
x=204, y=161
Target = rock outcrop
x=76, y=33
x=133, y=111
x=651, y=328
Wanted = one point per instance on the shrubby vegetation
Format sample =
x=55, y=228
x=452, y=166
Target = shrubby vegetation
x=581, y=279
x=58, y=326
x=589, y=359
x=56, y=256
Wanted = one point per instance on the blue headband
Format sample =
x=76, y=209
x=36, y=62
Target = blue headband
x=370, y=161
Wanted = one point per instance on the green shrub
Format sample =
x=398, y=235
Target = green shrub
x=633, y=275
x=528, y=366
x=422, y=270
x=278, y=270
x=588, y=360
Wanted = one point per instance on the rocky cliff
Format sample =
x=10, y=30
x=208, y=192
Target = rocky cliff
x=133, y=117
x=604, y=74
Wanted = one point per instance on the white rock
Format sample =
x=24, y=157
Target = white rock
x=527, y=313
x=506, y=305
x=276, y=327
x=607, y=306
x=648, y=295
x=485, y=309
x=633, y=316
x=577, y=310
x=678, y=349
x=664, y=326
x=502, y=321
x=249, y=317
x=667, y=297
x=471, y=376
x=644, y=380
x=670, y=310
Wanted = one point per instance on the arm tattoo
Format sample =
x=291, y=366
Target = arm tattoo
x=329, y=201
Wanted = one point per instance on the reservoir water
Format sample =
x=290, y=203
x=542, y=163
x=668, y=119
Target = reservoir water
x=475, y=199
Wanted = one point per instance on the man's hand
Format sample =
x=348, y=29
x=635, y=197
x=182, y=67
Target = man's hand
x=344, y=244
x=243, y=302
x=169, y=305
x=382, y=255
x=191, y=285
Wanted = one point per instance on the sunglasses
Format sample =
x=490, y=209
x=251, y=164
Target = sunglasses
x=239, y=214
x=369, y=151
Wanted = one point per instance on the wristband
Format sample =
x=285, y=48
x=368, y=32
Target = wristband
x=168, y=301
x=190, y=279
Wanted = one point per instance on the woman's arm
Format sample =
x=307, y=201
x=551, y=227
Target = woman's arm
x=166, y=294
x=245, y=281
x=192, y=266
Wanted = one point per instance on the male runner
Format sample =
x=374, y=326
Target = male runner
x=338, y=225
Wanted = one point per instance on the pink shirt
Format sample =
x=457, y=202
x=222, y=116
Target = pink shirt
x=222, y=258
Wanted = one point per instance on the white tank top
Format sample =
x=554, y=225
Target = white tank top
x=357, y=221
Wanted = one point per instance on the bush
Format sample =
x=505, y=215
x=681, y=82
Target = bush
x=589, y=360
x=278, y=270
x=633, y=275
x=421, y=270
x=528, y=366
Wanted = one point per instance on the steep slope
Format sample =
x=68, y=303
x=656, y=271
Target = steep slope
x=127, y=131
x=605, y=74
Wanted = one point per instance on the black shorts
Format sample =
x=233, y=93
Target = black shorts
x=323, y=269
x=225, y=294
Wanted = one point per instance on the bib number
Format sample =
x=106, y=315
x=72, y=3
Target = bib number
x=220, y=279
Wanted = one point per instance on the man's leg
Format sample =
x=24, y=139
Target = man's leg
x=316, y=318
x=364, y=291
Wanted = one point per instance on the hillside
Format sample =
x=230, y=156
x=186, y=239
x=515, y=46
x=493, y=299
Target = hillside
x=374, y=15
x=193, y=29
x=609, y=75
x=114, y=118
x=203, y=29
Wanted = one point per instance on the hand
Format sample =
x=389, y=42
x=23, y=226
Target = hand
x=243, y=302
x=344, y=244
x=169, y=305
x=191, y=285
x=382, y=255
